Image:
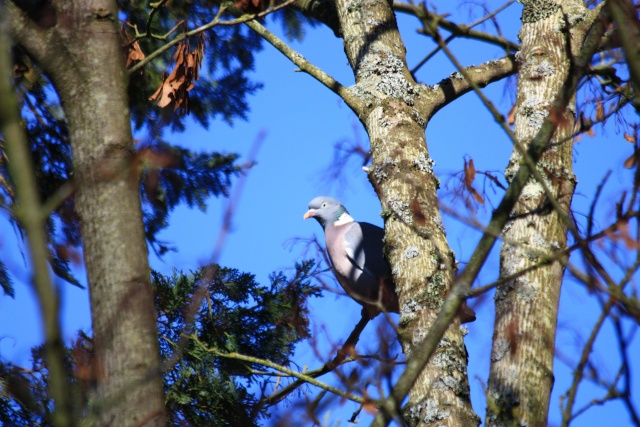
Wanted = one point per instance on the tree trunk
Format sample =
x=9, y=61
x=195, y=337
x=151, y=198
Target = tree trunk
x=80, y=51
x=395, y=114
x=521, y=373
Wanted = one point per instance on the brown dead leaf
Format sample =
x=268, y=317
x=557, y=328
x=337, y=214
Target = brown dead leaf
x=370, y=407
x=469, y=177
x=472, y=171
x=131, y=50
x=629, y=138
x=576, y=131
x=83, y=361
x=621, y=232
x=174, y=88
x=625, y=235
x=511, y=117
x=631, y=160
x=477, y=197
x=148, y=162
x=586, y=125
x=599, y=111
x=149, y=157
x=68, y=252
x=133, y=54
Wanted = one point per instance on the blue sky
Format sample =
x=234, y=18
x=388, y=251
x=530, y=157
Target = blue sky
x=302, y=121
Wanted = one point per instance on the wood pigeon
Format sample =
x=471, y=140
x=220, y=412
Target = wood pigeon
x=356, y=252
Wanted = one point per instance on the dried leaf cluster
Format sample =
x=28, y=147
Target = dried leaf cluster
x=174, y=90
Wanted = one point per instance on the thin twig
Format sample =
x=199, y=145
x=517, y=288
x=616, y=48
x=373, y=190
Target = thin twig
x=578, y=372
x=215, y=22
x=454, y=35
x=155, y=7
x=338, y=360
x=422, y=13
x=332, y=84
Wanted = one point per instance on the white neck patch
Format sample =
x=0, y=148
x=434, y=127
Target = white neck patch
x=345, y=218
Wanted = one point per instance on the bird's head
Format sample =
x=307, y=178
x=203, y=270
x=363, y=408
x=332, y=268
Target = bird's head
x=327, y=211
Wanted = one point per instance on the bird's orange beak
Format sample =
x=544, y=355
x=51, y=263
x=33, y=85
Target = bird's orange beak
x=309, y=214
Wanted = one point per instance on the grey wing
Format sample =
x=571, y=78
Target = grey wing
x=364, y=246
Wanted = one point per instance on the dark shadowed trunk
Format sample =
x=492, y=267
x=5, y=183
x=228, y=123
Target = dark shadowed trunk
x=78, y=46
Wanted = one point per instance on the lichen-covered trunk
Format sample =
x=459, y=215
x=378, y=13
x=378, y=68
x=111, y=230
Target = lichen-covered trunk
x=395, y=115
x=521, y=373
x=81, y=53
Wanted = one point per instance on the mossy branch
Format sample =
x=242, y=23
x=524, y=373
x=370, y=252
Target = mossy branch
x=422, y=354
x=340, y=359
x=301, y=376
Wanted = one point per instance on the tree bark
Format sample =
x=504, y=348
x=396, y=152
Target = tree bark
x=395, y=114
x=78, y=47
x=521, y=372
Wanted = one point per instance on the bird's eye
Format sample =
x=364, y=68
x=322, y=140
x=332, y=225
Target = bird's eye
x=324, y=205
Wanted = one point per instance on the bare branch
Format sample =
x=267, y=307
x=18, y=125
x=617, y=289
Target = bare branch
x=460, y=30
x=457, y=84
x=338, y=360
x=352, y=101
x=578, y=372
x=155, y=7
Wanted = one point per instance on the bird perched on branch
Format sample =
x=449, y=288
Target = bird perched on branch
x=356, y=252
